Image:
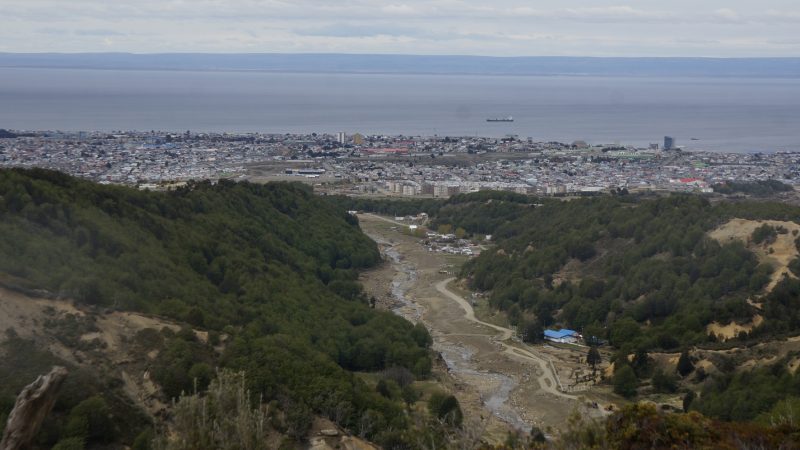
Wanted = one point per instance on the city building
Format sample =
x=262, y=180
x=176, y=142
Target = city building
x=669, y=143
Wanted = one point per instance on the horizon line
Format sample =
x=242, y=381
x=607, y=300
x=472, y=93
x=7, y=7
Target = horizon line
x=416, y=55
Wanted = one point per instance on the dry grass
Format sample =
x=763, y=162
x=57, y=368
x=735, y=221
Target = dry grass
x=777, y=254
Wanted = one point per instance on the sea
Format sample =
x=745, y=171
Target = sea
x=713, y=114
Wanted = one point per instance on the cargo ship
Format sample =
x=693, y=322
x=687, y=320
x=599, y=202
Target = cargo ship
x=501, y=119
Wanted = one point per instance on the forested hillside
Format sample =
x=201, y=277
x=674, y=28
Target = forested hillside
x=642, y=273
x=271, y=268
x=649, y=275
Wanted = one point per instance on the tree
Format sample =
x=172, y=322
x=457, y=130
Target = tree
x=641, y=363
x=625, y=381
x=445, y=228
x=685, y=365
x=593, y=333
x=421, y=336
x=531, y=331
x=460, y=233
x=664, y=382
x=624, y=331
x=91, y=419
x=687, y=400
x=446, y=408
x=593, y=358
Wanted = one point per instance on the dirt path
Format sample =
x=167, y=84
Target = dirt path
x=491, y=374
x=546, y=379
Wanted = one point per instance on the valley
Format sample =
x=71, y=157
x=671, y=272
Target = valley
x=495, y=376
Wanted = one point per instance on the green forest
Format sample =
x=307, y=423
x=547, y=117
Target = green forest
x=641, y=273
x=648, y=276
x=272, y=267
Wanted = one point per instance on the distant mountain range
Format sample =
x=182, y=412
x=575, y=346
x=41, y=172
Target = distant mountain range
x=407, y=64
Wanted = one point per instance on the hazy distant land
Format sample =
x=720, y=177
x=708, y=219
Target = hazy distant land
x=407, y=64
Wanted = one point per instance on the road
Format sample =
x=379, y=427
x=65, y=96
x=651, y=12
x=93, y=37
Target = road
x=546, y=379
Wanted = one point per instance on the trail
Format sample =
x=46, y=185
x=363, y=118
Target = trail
x=546, y=380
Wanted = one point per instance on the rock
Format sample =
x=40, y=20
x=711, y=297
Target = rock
x=330, y=432
x=32, y=406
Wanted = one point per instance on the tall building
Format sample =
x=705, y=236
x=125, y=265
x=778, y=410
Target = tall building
x=340, y=137
x=669, y=143
x=358, y=139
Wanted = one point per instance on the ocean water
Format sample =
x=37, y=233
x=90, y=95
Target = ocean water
x=721, y=114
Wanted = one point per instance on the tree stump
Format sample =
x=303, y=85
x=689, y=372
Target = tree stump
x=32, y=406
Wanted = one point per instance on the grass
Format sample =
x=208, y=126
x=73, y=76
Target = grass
x=580, y=348
x=483, y=311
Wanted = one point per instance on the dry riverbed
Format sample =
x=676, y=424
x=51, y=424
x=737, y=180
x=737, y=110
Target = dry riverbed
x=495, y=378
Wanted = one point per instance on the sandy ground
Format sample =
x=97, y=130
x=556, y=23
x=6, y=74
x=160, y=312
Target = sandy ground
x=783, y=249
x=778, y=254
x=114, y=356
x=492, y=374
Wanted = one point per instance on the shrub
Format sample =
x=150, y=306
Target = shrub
x=625, y=382
x=446, y=408
x=71, y=443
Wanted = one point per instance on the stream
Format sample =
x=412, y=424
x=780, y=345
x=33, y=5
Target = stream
x=457, y=358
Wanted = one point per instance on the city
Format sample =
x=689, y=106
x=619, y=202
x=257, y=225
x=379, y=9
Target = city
x=390, y=165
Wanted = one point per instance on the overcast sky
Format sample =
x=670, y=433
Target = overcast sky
x=723, y=28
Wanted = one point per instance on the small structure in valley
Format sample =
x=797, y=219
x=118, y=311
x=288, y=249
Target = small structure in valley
x=563, y=336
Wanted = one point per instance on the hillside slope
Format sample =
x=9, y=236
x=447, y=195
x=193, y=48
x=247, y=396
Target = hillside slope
x=270, y=267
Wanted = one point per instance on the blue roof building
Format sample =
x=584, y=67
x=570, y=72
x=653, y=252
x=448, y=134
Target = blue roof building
x=563, y=335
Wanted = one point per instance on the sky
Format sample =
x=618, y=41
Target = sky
x=715, y=28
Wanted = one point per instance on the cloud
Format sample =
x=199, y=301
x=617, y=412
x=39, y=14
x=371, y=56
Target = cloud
x=361, y=30
x=401, y=10
x=493, y=27
x=727, y=14
x=614, y=13
x=774, y=15
x=98, y=32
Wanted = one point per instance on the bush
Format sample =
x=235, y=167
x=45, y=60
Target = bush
x=144, y=440
x=421, y=335
x=446, y=408
x=664, y=382
x=149, y=338
x=685, y=365
x=201, y=374
x=224, y=418
x=625, y=382
x=400, y=375
x=93, y=416
x=388, y=389
x=764, y=233
x=532, y=331
x=72, y=443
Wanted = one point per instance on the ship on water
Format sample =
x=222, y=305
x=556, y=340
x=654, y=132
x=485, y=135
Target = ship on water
x=500, y=119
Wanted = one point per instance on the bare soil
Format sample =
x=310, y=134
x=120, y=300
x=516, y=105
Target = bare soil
x=777, y=254
x=105, y=349
x=492, y=374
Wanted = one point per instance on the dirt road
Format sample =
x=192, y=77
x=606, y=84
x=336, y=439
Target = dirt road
x=546, y=379
x=490, y=371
